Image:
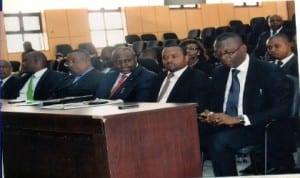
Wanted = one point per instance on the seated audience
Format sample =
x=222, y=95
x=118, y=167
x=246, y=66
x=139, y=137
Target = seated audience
x=84, y=78
x=179, y=83
x=280, y=48
x=130, y=81
x=9, y=83
x=104, y=64
x=198, y=59
x=275, y=23
x=39, y=81
x=247, y=93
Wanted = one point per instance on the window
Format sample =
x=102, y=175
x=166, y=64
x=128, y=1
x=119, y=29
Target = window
x=24, y=27
x=107, y=27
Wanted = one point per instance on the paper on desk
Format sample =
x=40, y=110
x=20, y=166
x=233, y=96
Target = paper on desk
x=83, y=104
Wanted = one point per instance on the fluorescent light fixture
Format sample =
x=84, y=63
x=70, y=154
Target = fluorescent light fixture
x=174, y=6
x=190, y=5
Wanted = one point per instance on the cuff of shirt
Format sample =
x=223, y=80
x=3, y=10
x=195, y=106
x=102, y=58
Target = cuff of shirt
x=246, y=120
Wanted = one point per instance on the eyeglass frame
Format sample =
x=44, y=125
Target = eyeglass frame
x=191, y=49
x=227, y=53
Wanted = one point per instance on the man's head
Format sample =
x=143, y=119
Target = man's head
x=6, y=68
x=27, y=46
x=33, y=62
x=275, y=22
x=279, y=46
x=106, y=55
x=124, y=59
x=78, y=62
x=230, y=49
x=174, y=58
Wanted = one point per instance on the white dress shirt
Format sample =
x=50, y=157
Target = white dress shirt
x=37, y=77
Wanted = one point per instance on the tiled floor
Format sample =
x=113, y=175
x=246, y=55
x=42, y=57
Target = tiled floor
x=208, y=171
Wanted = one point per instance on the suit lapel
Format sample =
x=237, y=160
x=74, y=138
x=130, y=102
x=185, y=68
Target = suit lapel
x=127, y=86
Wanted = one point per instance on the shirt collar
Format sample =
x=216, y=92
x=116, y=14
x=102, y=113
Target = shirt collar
x=39, y=73
x=243, y=67
x=179, y=72
x=286, y=59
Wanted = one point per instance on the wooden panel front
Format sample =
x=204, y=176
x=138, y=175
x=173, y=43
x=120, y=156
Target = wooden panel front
x=256, y=12
x=56, y=23
x=53, y=146
x=148, y=19
x=210, y=15
x=269, y=8
x=194, y=19
x=178, y=23
x=156, y=144
x=133, y=20
x=226, y=14
x=78, y=22
x=242, y=14
x=163, y=19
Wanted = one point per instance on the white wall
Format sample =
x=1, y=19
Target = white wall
x=12, y=6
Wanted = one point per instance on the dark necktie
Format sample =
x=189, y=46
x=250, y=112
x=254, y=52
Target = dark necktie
x=233, y=96
x=279, y=63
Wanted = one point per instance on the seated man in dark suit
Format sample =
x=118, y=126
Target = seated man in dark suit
x=130, y=81
x=247, y=93
x=275, y=23
x=9, y=83
x=280, y=48
x=84, y=79
x=41, y=81
x=180, y=83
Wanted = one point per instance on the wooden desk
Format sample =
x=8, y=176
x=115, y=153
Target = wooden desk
x=151, y=141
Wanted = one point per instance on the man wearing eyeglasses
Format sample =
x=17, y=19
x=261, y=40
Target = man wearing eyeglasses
x=246, y=94
x=129, y=81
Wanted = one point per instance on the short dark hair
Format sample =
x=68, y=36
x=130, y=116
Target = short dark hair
x=38, y=56
x=226, y=35
x=182, y=48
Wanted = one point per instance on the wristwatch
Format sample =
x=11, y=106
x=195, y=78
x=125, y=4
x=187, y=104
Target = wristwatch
x=242, y=119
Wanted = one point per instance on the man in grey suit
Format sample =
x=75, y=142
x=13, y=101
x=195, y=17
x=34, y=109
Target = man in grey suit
x=247, y=94
x=129, y=81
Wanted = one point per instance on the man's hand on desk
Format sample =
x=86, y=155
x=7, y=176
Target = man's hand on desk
x=218, y=118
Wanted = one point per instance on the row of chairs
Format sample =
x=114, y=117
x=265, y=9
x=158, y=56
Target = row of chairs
x=131, y=38
x=64, y=49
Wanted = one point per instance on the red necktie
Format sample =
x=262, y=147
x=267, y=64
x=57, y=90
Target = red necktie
x=120, y=82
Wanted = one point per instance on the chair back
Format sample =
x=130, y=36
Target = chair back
x=296, y=96
x=194, y=34
x=148, y=37
x=15, y=65
x=132, y=38
x=170, y=35
x=63, y=49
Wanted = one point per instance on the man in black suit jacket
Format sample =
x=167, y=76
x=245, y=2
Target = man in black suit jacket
x=10, y=84
x=275, y=23
x=136, y=84
x=186, y=84
x=41, y=79
x=84, y=79
x=263, y=94
x=279, y=47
